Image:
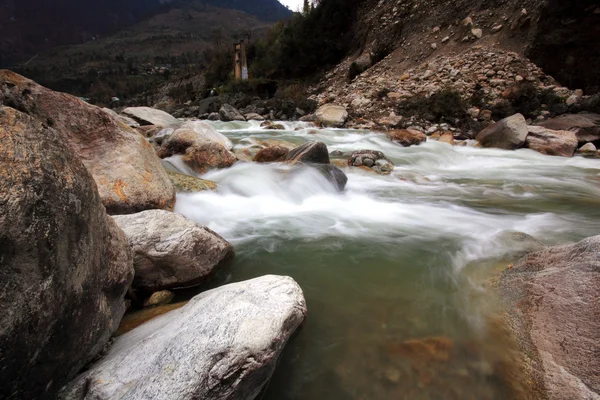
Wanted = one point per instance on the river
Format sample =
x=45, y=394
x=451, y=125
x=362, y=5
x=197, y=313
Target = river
x=397, y=269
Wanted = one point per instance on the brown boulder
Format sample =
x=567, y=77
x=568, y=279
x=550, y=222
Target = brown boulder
x=65, y=266
x=551, y=297
x=407, y=137
x=550, y=142
x=586, y=126
x=271, y=154
x=447, y=137
x=508, y=134
x=207, y=156
x=124, y=165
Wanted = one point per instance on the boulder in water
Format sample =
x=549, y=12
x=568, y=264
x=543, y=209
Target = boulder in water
x=228, y=113
x=447, y=137
x=208, y=156
x=254, y=117
x=373, y=159
x=190, y=184
x=551, y=297
x=65, y=266
x=275, y=153
x=331, y=115
x=152, y=116
x=508, y=134
x=309, y=153
x=223, y=344
x=550, y=142
x=192, y=134
x=270, y=125
x=171, y=251
x=124, y=165
x=585, y=125
x=333, y=175
x=407, y=137
x=588, y=150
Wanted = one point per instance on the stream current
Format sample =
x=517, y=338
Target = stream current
x=396, y=270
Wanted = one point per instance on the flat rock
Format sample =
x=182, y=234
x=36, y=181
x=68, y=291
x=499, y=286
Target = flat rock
x=190, y=184
x=331, y=115
x=551, y=297
x=551, y=142
x=152, y=116
x=124, y=165
x=275, y=153
x=208, y=156
x=171, y=251
x=585, y=125
x=508, y=134
x=65, y=266
x=223, y=344
x=407, y=137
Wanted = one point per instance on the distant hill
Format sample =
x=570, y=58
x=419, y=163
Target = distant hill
x=28, y=27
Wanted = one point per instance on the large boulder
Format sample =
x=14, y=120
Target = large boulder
x=309, y=153
x=223, y=344
x=171, y=251
x=550, y=142
x=333, y=174
x=65, y=266
x=152, y=116
x=192, y=134
x=124, y=165
x=331, y=115
x=551, y=297
x=124, y=119
x=190, y=184
x=207, y=133
x=407, y=137
x=586, y=126
x=508, y=134
x=229, y=113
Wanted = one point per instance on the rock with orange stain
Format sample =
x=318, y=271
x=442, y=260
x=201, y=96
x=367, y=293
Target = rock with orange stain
x=65, y=266
x=124, y=165
x=407, y=137
x=422, y=350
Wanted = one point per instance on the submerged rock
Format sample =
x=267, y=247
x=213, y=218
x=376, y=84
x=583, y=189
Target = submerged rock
x=65, y=266
x=208, y=156
x=276, y=153
x=190, y=184
x=371, y=159
x=152, y=116
x=331, y=115
x=309, y=153
x=508, y=134
x=124, y=165
x=270, y=125
x=223, y=344
x=588, y=150
x=161, y=298
x=551, y=297
x=333, y=175
x=407, y=137
x=171, y=251
x=228, y=113
x=550, y=142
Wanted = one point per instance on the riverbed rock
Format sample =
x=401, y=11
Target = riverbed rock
x=585, y=125
x=551, y=142
x=192, y=134
x=65, y=266
x=253, y=117
x=309, y=153
x=223, y=344
x=333, y=174
x=160, y=298
x=190, y=184
x=270, y=125
x=124, y=165
x=152, y=116
x=171, y=251
x=373, y=159
x=551, y=297
x=228, y=113
x=447, y=137
x=208, y=156
x=275, y=153
x=123, y=118
x=331, y=115
x=508, y=134
x=588, y=150
x=406, y=137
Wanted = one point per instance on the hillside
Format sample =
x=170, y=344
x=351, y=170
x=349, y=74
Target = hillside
x=34, y=26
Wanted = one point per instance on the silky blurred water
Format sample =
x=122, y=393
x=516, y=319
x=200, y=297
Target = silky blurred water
x=395, y=270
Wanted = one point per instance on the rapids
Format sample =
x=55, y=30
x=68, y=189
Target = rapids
x=396, y=269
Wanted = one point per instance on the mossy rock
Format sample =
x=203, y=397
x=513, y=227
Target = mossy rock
x=189, y=184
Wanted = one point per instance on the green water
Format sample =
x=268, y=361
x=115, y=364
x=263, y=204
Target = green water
x=395, y=270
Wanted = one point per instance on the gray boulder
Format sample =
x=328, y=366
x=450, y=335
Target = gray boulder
x=124, y=119
x=229, y=113
x=331, y=115
x=65, y=266
x=551, y=142
x=152, y=116
x=508, y=134
x=551, y=297
x=171, y=251
x=224, y=344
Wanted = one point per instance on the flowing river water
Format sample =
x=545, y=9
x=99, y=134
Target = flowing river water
x=396, y=270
